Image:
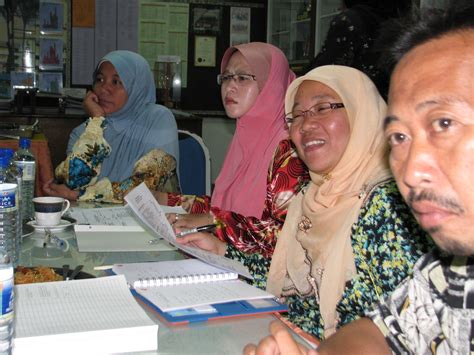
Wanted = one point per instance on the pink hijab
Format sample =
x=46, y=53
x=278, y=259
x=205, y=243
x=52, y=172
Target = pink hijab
x=242, y=183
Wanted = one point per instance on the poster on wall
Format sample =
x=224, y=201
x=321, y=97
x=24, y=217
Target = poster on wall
x=51, y=54
x=239, y=25
x=51, y=18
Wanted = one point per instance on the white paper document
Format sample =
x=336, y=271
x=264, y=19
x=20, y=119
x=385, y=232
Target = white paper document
x=114, y=229
x=108, y=216
x=92, y=316
x=145, y=206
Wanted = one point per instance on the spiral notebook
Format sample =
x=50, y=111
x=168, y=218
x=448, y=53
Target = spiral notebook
x=191, y=290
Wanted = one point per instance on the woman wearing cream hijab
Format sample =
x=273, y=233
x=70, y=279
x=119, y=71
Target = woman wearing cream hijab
x=348, y=238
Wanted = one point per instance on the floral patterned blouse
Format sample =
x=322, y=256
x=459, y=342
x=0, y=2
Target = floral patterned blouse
x=287, y=174
x=80, y=169
x=386, y=241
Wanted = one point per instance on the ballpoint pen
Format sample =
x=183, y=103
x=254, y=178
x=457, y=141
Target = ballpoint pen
x=206, y=228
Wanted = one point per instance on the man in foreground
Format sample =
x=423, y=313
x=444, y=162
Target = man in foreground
x=430, y=128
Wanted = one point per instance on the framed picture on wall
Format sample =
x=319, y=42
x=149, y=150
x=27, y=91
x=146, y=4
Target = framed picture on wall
x=206, y=20
x=23, y=80
x=204, y=51
x=50, y=82
x=239, y=25
x=51, y=54
x=5, y=86
x=51, y=17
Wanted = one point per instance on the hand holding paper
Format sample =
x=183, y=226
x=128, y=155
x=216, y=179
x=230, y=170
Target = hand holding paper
x=142, y=202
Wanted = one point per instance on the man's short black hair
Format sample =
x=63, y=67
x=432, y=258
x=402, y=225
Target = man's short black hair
x=420, y=26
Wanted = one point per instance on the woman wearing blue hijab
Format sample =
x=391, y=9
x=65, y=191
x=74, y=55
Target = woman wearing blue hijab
x=129, y=138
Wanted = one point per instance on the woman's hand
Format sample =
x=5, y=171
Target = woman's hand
x=91, y=105
x=60, y=190
x=205, y=241
x=279, y=342
x=188, y=221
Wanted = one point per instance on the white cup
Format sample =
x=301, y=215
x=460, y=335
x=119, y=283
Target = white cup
x=49, y=210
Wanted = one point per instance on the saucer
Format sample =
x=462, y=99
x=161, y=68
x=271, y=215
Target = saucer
x=27, y=230
x=63, y=224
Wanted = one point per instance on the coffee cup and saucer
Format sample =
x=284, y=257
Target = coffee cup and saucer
x=49, y=214
x=49, y=218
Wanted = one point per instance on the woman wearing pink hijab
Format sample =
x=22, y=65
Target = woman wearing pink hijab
x=261, y=171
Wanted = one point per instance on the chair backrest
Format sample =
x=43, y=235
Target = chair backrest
x=194, y=164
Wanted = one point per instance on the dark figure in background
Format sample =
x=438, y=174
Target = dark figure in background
x=352, y=34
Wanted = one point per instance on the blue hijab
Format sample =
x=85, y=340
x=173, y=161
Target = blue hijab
x=140, y=125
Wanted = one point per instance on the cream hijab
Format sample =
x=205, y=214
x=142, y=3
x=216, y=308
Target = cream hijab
x=313, y=254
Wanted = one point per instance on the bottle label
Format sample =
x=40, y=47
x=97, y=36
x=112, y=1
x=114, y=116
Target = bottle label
x=8, y=197
x=6, y=286
x=27, y=169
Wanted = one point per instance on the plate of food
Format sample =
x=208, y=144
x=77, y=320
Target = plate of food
x=25, y=275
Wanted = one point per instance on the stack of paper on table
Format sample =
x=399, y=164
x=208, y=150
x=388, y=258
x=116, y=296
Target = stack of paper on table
x=191, y=290
x=92, y=316
x=113, y=229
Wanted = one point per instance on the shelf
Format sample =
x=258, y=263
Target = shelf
x=306, y=20
x=279, y=33
x=331, y=14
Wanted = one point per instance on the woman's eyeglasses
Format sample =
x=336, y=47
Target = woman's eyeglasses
x=241, y=79
x=319, y=110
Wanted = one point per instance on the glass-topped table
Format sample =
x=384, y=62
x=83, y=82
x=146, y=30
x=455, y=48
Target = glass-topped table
x=227, y=336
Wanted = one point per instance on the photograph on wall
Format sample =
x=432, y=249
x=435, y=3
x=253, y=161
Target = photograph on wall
x=51, y=18
x=23, y=80
x=239, y=25
x=5, y=86
x=50, y=82
x=51, y=54
x=206, y=20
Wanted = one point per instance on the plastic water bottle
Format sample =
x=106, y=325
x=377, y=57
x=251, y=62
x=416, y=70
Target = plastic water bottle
x=9, y=238
x=25, y=161
x=15, y=173
x=6, y=314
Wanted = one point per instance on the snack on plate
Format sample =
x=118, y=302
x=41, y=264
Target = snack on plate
x=27, y=275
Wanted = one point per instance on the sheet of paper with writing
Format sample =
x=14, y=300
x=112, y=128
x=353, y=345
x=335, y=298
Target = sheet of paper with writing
x=113, y=216
x=81, y=317
x=108, y=216
x=145, y=206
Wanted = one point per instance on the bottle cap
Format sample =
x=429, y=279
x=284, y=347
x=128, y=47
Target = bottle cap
x=25, y=143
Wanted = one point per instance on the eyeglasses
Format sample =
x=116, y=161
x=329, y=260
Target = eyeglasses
x=240, y=79
x=319, y=110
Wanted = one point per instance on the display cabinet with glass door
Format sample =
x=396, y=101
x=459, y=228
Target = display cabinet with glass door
x=299, y=27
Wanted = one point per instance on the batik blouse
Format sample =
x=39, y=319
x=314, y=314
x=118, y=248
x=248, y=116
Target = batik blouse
x=287, y=174
x=80, y=171
x=386, y=241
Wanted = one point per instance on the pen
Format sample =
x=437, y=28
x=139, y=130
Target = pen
x=206, y=228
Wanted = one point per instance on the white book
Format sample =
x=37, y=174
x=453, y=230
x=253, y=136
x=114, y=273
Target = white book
x=181, y=284
x=91, y=316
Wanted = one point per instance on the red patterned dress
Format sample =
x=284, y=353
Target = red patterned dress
x=287, y=174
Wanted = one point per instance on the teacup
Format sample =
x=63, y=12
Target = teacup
x=49, y=210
